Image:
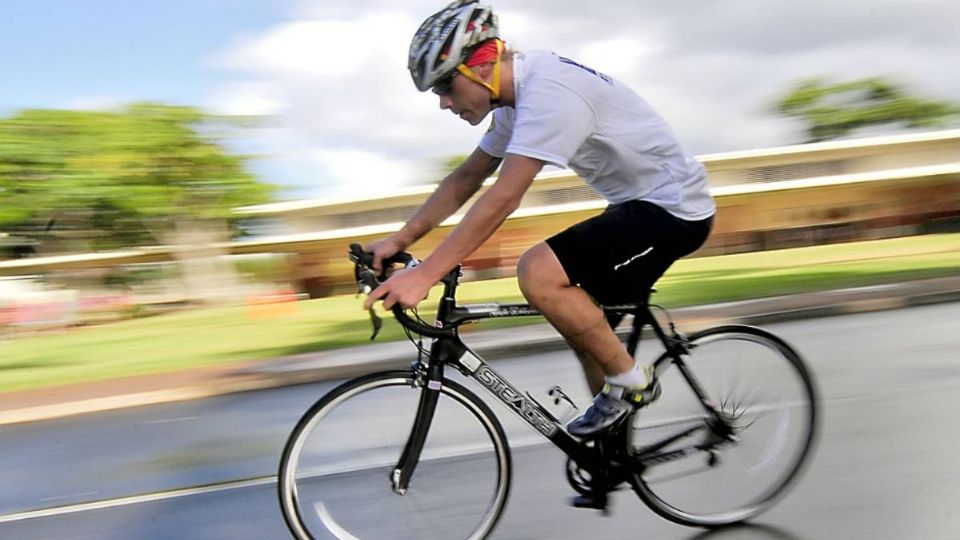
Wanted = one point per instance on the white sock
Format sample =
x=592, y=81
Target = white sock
x=632, y=377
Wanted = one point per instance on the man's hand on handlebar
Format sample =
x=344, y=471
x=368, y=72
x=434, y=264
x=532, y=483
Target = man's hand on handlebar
x=382, y=249
x=405, y=287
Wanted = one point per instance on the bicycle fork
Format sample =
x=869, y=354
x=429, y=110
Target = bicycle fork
x=403, y=472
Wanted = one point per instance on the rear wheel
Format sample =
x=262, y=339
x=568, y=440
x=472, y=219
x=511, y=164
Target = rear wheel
x=336, y=471
x=766, y=395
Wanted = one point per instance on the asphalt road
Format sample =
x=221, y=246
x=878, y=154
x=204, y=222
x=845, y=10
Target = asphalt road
x=885, y=466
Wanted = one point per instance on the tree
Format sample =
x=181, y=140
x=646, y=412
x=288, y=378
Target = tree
x=103, y=180
x=835, y=110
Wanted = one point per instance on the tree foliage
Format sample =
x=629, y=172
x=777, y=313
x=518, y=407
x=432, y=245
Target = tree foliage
x=836, y=110
x=118, y=178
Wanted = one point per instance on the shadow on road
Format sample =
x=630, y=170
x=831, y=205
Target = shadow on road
x=746, y=531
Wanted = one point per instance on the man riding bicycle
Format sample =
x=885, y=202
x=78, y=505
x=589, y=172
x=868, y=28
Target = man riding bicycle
x=548, y=109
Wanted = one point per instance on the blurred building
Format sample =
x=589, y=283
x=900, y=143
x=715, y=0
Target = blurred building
x=770, y=198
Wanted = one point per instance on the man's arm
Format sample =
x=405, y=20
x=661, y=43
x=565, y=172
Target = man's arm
x=485, y=216
x=450, y=195
x=409, y=287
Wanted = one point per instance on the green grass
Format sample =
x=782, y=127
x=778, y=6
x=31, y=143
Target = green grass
x=211, y=336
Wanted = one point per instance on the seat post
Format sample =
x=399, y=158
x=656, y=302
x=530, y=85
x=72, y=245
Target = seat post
x=642, y=316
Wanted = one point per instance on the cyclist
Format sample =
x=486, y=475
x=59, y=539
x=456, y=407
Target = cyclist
x=548, y=109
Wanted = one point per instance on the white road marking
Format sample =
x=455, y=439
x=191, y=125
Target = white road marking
x=138, y=499
x=72, y=496
x=171, y=420
x=520, y=442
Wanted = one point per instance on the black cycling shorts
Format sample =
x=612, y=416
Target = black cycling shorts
x=618, y=255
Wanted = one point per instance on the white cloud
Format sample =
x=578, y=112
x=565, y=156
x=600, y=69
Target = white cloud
x=615, y=56
x=340, y=92
x=361, y=172
x=336, y=78
x=320, y=48
x=249, y=98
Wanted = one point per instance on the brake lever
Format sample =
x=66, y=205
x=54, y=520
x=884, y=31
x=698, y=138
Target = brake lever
x=366, y=282
x=377, y=323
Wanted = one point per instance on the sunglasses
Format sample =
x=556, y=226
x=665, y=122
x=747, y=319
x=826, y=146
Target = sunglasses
x=445, y=86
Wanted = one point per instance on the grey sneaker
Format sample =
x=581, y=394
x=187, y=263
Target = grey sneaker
x=611, y=405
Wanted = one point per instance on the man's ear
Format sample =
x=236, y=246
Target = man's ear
x=485, y=71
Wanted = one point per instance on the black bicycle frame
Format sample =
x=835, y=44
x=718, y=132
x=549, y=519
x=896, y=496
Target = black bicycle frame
x=449, y=349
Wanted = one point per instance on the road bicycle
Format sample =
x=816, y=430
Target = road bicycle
x=734, y=425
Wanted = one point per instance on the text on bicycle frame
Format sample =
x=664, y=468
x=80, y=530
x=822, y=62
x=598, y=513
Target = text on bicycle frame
x=512, y=397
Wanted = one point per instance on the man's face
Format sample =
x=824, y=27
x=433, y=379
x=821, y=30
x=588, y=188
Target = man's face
x=464, y=98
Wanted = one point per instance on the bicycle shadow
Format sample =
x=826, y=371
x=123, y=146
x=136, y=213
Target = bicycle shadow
x=746, y=531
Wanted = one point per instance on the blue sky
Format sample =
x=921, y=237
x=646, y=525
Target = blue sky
x=342, y=117
x=58, y=53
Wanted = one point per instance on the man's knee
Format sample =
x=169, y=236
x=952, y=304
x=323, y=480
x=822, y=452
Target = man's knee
x=526, y=265
x=539, y=268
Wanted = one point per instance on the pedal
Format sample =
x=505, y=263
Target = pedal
x=592, y=502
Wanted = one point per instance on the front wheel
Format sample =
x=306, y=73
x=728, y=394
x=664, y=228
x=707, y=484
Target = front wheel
x=336, y=471
x=732, y=470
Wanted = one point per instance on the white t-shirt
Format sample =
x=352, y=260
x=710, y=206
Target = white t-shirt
x=572, y=116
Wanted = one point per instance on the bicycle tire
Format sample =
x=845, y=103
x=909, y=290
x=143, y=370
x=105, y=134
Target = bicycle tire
x=334, y=475
x=784, y=400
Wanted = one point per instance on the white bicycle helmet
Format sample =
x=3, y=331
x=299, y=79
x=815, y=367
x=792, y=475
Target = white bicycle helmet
x=445, y=39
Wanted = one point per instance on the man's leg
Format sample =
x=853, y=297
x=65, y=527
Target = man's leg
x=591, y=370
x=573, y=313
x=618, y=382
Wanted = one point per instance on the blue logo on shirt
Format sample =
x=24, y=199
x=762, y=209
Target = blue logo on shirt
x=592, y=71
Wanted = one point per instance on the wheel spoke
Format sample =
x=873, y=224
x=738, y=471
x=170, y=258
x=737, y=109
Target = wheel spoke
x=763, y=392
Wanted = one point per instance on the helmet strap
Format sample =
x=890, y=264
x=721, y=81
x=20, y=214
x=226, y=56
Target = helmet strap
x=494, y=84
